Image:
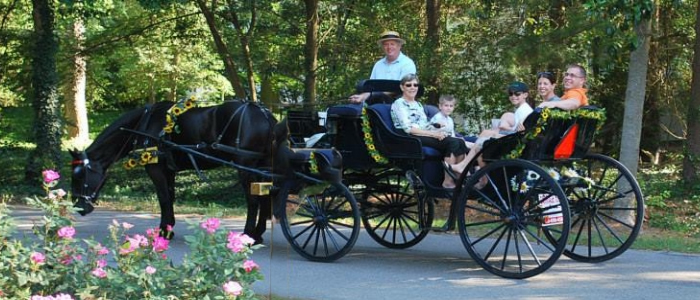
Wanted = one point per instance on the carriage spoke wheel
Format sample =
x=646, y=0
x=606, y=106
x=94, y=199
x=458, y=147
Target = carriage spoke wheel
x=607, y=215
x=394, y=213
x=503, y=213
x=322, y=222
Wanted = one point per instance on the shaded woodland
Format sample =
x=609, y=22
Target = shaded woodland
x=67, y=59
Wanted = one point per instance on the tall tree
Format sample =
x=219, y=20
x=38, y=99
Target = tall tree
x=311, y=50
x=75, y=110
x=244, y=38
x=432, y=40
x=634, y=96
x=691, y=162
x=47, y=123
x=222, y=48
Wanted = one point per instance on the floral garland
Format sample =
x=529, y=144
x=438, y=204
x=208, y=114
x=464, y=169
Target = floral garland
x=176, y=110
x=546, y=114
x=313, y=165
x=369, y=140
x=142, y=157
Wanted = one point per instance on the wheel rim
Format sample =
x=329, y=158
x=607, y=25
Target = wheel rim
x=394, y=214
x=503, y=224
x=608, y=215
x=321, y=223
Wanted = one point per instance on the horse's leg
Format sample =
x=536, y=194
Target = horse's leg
x=265, y=204
x=253, y=207
x=164, y=181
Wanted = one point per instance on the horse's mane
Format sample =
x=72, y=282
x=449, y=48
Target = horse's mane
x=105, y=141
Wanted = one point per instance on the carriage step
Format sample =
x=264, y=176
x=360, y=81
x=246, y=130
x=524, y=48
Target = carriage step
x=260, y=188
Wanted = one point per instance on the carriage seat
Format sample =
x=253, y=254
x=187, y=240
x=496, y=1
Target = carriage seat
x=556, y=137
x=327, y=164
x=395, y=143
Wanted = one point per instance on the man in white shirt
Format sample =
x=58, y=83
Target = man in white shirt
x=393, y=66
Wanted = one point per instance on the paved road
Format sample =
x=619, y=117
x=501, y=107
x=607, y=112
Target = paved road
x=437, y=268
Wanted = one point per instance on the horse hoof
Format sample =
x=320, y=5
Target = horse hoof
x=168, y=235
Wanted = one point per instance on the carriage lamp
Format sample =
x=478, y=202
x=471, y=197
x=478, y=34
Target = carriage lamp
x=260, y=188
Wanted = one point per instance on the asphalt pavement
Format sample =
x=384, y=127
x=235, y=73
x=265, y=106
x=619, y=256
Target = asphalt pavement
x=437, y=268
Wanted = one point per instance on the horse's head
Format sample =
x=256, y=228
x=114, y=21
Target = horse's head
x=86, y=180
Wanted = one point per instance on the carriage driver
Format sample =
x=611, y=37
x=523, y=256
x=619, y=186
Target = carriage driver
x=393, y=66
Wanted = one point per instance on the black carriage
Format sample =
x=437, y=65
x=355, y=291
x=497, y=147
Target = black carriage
x=540, y=194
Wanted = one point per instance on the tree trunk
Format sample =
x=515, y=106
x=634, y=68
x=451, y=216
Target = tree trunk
x=47, y=121
x=244, y=38
x=634, y=98
x=75, y=110
x=692, y=157
x=433, y=40
x=311, y=51
x=222, y=49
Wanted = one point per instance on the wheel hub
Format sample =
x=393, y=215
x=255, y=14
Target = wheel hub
x=586, y=207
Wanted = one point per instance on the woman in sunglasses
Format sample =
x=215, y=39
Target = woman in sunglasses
x=408, y=115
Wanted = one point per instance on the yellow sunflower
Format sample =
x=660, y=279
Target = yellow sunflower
x=130, y=164
x=146, y=156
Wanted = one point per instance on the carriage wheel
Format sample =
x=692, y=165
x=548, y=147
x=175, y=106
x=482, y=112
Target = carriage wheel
x=322, y=222
x=607, y=216
x=503, y=216
x=396, y=213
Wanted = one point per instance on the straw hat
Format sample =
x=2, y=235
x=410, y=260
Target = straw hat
x=390, y=36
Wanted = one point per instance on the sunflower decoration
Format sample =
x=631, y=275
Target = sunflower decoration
x=130, y=164
x=313, y=165
x=141, y=157
x=182, y=106
x=369, y=141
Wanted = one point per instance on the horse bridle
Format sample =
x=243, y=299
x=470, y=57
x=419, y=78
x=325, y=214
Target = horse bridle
x=85, y=163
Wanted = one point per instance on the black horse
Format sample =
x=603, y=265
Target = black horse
x=238, y=132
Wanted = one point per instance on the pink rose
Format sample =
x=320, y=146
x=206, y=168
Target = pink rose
x=38, y=258
x=101, y=250
x=50, y=176
x=233, y=288
x=250, y=265
x=142, y=240
x=210, y=225
x=150, y=270
x=160, y=244
x=66, y=232
x=101, y=263
x=238, y=241
x=99, y=273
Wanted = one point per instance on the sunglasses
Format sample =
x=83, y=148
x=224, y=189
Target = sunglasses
x=411, y=85
x=572, y=75
x=517, y=94
x=545, y=73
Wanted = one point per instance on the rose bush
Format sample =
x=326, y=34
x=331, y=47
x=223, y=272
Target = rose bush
x=56, y=265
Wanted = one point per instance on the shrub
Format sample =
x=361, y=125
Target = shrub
x=56, y=265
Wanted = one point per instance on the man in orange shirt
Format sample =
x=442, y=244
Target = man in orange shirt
x=574, y=91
